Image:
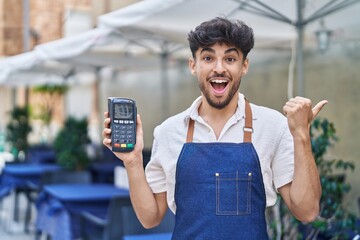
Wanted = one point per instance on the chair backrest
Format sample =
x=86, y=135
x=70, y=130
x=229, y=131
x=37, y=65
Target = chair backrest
x=122, y=221
x=41, y=154
x=113, y=229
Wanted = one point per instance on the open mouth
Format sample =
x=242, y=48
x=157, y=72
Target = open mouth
x=219, y=85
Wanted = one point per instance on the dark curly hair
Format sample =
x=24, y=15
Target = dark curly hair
x=222, y=30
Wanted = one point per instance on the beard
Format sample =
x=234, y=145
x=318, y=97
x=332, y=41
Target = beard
x=218, y=104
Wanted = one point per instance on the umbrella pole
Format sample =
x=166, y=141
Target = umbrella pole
x=97, y=115
x=26, y=39
x=300, y=32
x=164, y=85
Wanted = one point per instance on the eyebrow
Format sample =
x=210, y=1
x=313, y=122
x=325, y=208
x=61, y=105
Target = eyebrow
x=232, y=50
x=208, y=49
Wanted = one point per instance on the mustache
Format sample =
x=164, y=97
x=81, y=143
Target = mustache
x=219, y=75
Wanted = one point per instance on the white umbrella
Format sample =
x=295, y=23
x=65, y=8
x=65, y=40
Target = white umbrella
x=273, y=21
x=23, y=61
x=49, y=72
x=96, y=48
x=30, y=66
x=161, y=27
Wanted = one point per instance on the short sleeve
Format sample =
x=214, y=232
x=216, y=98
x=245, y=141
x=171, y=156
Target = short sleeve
x=154, y=172
x=283, y=162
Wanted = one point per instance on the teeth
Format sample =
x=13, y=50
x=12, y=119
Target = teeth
x=218, y=81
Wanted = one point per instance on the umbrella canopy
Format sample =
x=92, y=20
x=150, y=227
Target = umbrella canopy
x=275, y=22
x=49, y=72
x=39, y=66
x=55, y=61
x=161, y=27
x=271, y=19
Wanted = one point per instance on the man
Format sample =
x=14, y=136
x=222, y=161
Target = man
x=221, y=162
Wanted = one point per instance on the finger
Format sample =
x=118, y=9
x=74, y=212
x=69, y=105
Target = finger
x=107, y=123
x=289, y=105
x=139, y=132
x=318, y=107
x=285, y=110
x=107, y=142
x=106, y=114
x=106, y=133
x=139, y=135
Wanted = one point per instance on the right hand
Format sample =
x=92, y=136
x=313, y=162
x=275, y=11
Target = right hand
x=134, y=157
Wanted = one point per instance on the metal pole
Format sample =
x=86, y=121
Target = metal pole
x=26, y=38
x=300, y=32
x=26, y=26
x=164, y=84
x=98, y=115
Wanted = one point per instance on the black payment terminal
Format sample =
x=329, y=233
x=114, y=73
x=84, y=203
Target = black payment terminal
x=122, y=112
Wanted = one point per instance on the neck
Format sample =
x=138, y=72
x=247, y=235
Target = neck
x=211, y=114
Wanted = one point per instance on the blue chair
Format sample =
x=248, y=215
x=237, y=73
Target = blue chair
x=152, y=236
x=41, y=154
x=121, y=222
x=56, y=177
x=4, y=192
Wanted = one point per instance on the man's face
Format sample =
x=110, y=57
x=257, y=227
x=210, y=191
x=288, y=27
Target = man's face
x=219, y=69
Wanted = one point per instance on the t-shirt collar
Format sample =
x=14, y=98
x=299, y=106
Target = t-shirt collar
x=193, y=112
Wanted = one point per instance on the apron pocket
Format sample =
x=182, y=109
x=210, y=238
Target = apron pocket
x=233, y=193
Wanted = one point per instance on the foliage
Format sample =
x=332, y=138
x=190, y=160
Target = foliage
x=51, y=89
x=335, y=221
x=18, y=129
x=50, y=94
x=70, y=144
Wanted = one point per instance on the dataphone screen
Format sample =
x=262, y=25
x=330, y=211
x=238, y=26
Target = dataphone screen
x=123, y=111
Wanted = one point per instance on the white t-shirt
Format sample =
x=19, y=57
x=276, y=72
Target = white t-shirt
x=271, y=139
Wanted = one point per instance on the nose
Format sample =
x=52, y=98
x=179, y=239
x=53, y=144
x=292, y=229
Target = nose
x=219, y=67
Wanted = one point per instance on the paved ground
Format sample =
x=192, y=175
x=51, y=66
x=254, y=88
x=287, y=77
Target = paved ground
x=10, y=230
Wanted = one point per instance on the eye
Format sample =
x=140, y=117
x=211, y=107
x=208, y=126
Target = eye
x=207, y=58
x=230, y=59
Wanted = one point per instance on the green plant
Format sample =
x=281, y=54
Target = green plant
x=70, y=144
x=334, y=221
x=50, y=94
x=18, y=129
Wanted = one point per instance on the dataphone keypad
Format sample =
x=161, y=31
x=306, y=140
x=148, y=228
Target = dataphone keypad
x=123, y=133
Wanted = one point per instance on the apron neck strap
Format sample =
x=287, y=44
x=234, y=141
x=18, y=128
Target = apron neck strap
x=248, y=130
x=190, y=132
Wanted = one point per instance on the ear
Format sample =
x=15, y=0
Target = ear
x=245, y=66
x=192, y=66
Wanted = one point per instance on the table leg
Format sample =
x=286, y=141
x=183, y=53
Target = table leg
x=11, y=225
x=16, y=205
x=27, y=212
x=37, y=234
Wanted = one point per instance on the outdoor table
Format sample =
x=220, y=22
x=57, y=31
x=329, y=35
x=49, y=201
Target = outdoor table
x=17, y=177
x=60, y=206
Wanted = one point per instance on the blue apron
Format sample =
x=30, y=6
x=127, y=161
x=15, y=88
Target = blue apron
x=219, y=190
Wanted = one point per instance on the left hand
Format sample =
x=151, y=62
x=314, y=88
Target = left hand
x=300, y=113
